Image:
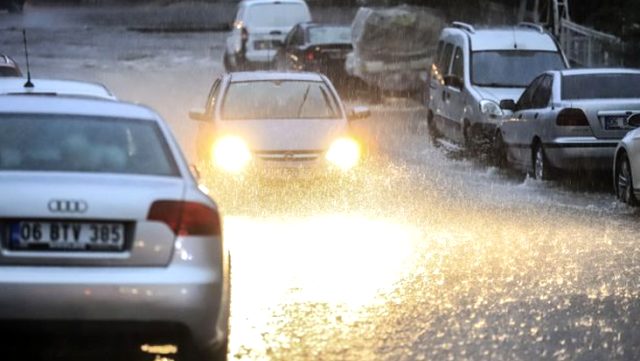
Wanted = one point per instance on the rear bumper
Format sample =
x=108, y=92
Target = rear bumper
x=581, y=153
x=183, y=294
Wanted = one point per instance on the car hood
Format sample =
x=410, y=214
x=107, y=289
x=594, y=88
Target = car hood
x=285, y=134
x=498, y=94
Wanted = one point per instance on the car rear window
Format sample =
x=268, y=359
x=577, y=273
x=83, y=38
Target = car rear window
x=330, y=35
x=277, y=99
x=600, y=86
x=83, y=144
x=276, y=15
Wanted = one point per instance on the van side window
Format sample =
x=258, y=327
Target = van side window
x=457, y=67
x=445, y=60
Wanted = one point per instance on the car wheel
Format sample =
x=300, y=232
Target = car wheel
x=541, y=168
x=624, y=182
x=499, y=151
x=227, y=64
x=15, y=6
x=431, y=127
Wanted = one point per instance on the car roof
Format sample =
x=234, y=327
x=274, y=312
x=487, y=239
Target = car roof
x=274, y=75
x=312, y=24
x=592, y=71
x=508, y=38
x=261, y=2
x=15, y=86
x=25, y=104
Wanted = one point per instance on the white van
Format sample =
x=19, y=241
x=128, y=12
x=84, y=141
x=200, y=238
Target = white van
x=474, y=69
x=259, y=30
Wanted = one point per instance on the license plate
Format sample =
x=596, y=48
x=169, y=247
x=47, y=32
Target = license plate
x=616, y=122
x=78, y=236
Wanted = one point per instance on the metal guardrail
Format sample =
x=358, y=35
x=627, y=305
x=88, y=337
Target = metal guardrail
x=587, y=47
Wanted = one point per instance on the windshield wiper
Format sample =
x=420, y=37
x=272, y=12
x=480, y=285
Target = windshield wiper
x=304, y=100
x=500, y=85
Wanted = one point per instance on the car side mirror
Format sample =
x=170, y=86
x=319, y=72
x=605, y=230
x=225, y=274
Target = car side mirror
x=198, y=114
x=453, y=81
x=359, y=112
x=634, y=120
x=508, y=104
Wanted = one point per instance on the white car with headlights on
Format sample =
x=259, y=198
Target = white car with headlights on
x=277, y=124
x=103, y=227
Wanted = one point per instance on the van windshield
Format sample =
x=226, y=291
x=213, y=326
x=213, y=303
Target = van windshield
x=512, y=68
x=276, y=15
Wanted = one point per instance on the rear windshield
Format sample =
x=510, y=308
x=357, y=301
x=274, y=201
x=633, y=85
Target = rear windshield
x=600, y=86
x=9, y=71
x=512, y=68
x=330, y=35
x=81, y=144
x=277, y=99
x=276, y=15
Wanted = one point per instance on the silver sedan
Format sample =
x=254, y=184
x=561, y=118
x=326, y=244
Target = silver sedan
x=569, y=119
x=626, y=165
x=102, y=222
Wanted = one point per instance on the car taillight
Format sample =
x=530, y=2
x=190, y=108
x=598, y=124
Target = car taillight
x=186, y=218
x=244, y=34
x=311, y=55
x=572, y=117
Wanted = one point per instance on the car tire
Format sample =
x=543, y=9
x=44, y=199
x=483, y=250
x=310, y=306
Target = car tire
x=624, y=182
x=542, y=170
x=227, y=64
x=499, y=151
x=16, y=6
x=432, y=129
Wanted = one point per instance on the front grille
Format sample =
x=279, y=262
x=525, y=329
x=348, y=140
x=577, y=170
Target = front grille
x=289, y=156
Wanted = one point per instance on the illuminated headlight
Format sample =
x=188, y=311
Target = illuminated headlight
x=231, y=154
x=344, y=153
x=490, y=108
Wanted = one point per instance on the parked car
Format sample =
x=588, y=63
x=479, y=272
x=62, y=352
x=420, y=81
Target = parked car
x=14, y=6
x=101, y=216
x=259, y=30
x=627, y=163
x=54, y=87
x=277, y=123
x=569, y=120
x=317, y=48
x=475, y=68
x=9, y=67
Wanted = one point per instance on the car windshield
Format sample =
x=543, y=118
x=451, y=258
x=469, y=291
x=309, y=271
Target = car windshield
x=276, y=15
x=329, y=35
x=65, y=143
x=600, y=86
x=279, y=100
x=512, y=68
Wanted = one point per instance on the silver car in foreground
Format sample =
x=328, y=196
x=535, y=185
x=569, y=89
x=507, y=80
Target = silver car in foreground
x=277, y=124
x=569, y=120
x=102, y=222
x=626, y=165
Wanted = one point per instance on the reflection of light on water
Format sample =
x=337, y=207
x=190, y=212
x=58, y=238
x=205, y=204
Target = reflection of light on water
x=341, y=260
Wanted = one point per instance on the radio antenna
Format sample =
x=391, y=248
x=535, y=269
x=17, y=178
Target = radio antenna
x=28, y=84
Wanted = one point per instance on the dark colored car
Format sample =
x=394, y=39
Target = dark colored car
x=14, y=6
x=8, y=67
x=317, y=48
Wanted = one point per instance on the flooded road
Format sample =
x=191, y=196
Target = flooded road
x=421, y=254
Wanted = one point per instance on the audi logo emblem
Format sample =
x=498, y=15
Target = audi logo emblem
x=67, y=206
